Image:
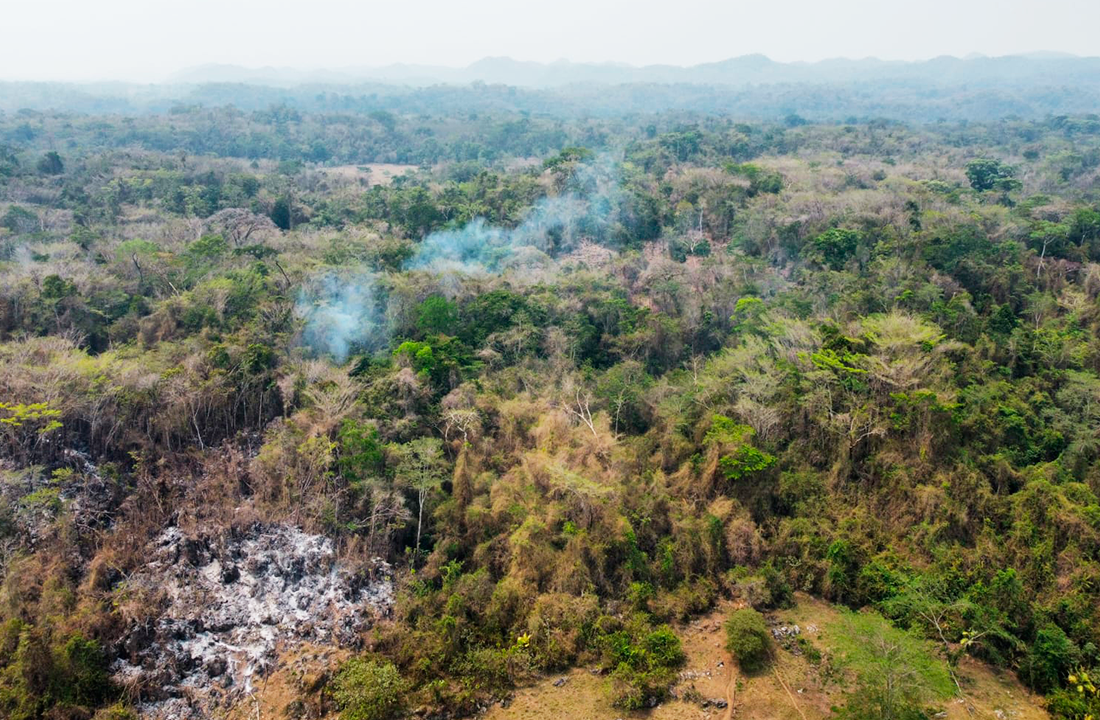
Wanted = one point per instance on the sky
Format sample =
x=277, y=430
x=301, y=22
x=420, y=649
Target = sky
x=148, y=40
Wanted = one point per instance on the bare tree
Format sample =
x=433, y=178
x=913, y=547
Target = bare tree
x=238, y=225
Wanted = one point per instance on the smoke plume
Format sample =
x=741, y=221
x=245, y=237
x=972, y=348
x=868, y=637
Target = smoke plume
x=342, y=311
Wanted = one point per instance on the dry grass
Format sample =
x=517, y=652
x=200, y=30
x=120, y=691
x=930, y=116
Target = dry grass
x=294, y=685
x=370, y=174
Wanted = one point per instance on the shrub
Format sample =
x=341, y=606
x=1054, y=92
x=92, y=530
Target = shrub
x=1080, y=700
x=642, y=661
x=486, y=669
x=747, y=638
x=777, y=585
x=46, y=675
x=118, y=711
x=662, y=648
x=369, y=690
x=833, y=247
x=558, y=626
x=1049, y=659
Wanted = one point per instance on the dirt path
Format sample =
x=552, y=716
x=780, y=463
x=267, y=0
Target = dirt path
x=775, y=671
x=730, y=685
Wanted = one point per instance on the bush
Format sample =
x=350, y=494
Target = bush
x=118, y=711
x=1050, y=658
x=662, y=648
x=642, y=661
x=369, y=690
x=748, y=639
x=1081, y=699
x=558, y=626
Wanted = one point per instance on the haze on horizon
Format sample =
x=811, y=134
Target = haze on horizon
x=147, y=40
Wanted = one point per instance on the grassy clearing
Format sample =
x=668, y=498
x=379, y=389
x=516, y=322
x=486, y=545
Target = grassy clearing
x=839, y=651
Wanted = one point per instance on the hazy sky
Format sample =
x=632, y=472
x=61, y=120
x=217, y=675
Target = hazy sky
x=147, y=40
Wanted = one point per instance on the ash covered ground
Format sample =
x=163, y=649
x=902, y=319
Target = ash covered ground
x=229, y=604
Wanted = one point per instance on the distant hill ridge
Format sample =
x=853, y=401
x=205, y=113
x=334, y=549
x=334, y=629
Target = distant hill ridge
x=744, y=70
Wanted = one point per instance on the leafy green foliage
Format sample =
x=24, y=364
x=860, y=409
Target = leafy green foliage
x=51, y=164
x=1050, y=659
x=987, y=174
x=642, y=663
x=40, y=674
x=748, y=639
x=834, y=247
x=898, y=675
x=369, y=690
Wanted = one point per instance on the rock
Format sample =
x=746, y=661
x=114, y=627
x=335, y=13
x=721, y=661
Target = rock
x=719, y=703
x=782, y=632
x=560, y=682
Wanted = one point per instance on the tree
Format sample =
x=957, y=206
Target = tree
x=20, y=220
x=281, y=213
x=238, y=225
x=437, y=315
x=925, y=600
x=622, y=387
x=1049, y=659
x=986, y=174
x=897, y=675
x=833, y=248
x=747, y=639
x=51, y=164
x=421, y=468
x=743, y=459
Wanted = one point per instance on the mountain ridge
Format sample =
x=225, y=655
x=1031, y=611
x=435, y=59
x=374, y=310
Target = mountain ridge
x=739, y=70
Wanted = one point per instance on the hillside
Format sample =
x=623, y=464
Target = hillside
x=382, y=413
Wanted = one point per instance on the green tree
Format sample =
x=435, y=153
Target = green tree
x=437, y=315
x=987, y=174
x=19, y=220
x=421, y=469
x=281, y=213
x=897, y=673
x=834, y=247
x=747, y=638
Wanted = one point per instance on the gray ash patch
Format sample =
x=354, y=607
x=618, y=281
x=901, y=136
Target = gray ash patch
x=229, y=604
x=34, y=499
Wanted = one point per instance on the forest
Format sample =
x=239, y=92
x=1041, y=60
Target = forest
x=462, y=400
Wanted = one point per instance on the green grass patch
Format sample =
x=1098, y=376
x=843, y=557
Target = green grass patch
x=896, y=672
